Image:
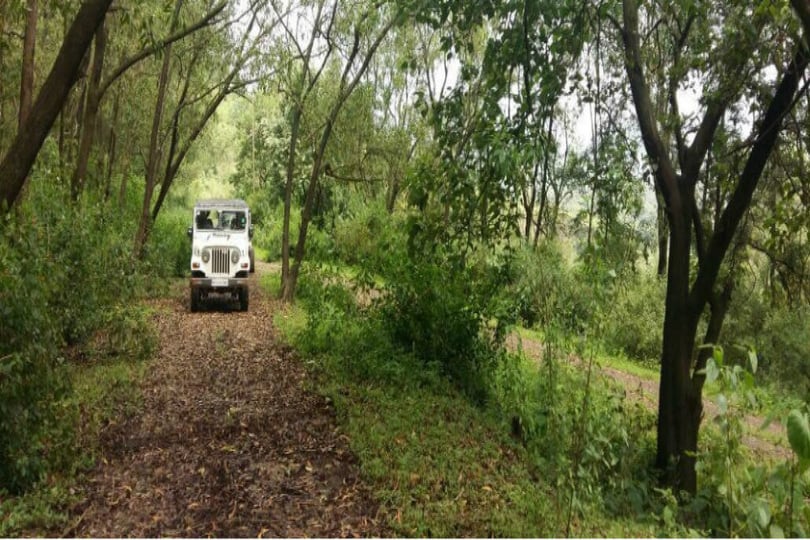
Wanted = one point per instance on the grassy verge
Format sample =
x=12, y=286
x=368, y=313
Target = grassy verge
x=102, y=389
x=438, y=465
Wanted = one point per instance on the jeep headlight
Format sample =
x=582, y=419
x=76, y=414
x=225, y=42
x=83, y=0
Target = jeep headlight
x=234, y=256
x=206, y=256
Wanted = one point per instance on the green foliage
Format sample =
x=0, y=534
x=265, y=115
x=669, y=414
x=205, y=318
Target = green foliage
x=784, y=340
x=99, y=392
x=65, y=273
x=636, y=321
x=546, y=291
x=169, y=250
x=268, y=236
x=798, y=430
x=460, y=475
x=739, y=496
x=450, y=313
x=370, y=237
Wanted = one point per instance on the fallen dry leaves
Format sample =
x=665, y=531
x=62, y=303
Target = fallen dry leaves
x=229, y=442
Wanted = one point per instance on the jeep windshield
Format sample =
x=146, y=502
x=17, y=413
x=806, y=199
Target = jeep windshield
x=220, y=220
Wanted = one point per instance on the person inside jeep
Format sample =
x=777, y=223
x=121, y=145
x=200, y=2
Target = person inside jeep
x=204, y=221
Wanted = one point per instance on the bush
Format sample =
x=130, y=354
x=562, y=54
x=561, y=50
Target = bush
x=168, y=250
x=65, y=271
x=370, y=237
x=636, y=321
x=546, y=290
x=784, y=348
x=450, y=313
x=319, y=246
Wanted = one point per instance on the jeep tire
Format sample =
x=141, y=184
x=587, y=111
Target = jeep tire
x=252, y=261
x=195, y=300
x=243, y=299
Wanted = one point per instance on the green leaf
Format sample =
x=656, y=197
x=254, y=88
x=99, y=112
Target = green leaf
x=722, y=404
x=752, y=359
x=798, y=431
x=776, y=531
x=761, y=514
x=717, y=355
x=712, y=371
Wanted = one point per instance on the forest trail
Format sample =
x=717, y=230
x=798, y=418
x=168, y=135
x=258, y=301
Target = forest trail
x=228, y=442
x=645, y=391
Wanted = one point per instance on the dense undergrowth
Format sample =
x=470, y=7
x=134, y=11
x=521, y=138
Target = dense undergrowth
x=73, y=336
x=416, y=336
x=443, y=465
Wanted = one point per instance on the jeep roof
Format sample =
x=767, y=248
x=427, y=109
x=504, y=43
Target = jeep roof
x=221, y=203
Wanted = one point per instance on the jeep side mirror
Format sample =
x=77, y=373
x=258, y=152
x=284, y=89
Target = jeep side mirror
x=190, y=232
x=250, y=231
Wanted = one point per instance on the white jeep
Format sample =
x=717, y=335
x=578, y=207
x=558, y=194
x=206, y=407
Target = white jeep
x=221, y=251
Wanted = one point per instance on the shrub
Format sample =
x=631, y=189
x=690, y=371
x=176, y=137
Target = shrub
x=268, y=235
x=450, y=313
x=784, y=346
x=168, y=250
x=636, y=321
x=370, y=237
x=546, y=290
x=65, y=271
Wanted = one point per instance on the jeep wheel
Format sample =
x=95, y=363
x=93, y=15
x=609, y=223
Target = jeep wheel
x=252, y=261
x=195, y=300
x=243, y=299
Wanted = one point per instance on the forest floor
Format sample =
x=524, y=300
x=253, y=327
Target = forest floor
x=768, y=443
x=229, y=442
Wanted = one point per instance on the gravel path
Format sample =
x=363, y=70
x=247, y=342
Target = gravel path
x=229, y=443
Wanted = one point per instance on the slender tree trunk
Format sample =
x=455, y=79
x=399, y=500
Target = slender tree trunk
x=29, y=54
x=544, y=185
x=663, y=232
x=306, y=211
x=154, y=151
x=287, y=281
x=22, y=153
x=111, y=144
x=122, y=188
x=90, y=115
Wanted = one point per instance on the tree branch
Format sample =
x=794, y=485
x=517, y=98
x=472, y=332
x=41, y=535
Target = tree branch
x=149, y=51
x=769, y=130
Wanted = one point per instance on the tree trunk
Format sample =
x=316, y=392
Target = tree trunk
x=677, y=431
x=663, y=232
x=287, y=282
x=90, y=115
x=544, y=185
x=306, y=211
x=29, y=53
x=22, y=153
x=145, y=222
x=111, y=144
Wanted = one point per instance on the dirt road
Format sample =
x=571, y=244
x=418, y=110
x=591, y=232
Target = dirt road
x=229, y=442
x=645, y=391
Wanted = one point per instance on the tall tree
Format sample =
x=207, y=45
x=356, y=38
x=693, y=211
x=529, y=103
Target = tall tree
x=29, y=54
x=153, y=155
x=354, y=69
x=20, y=157
x=682, y=361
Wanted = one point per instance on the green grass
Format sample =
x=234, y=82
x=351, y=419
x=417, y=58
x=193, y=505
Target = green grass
x=261, y=254
x=615, y=361
x=438, y=465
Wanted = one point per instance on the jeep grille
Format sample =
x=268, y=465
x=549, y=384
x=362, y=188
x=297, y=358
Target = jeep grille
x=220, y=261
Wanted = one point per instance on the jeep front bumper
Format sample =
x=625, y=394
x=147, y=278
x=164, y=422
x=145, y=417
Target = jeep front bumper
x=215, y=284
